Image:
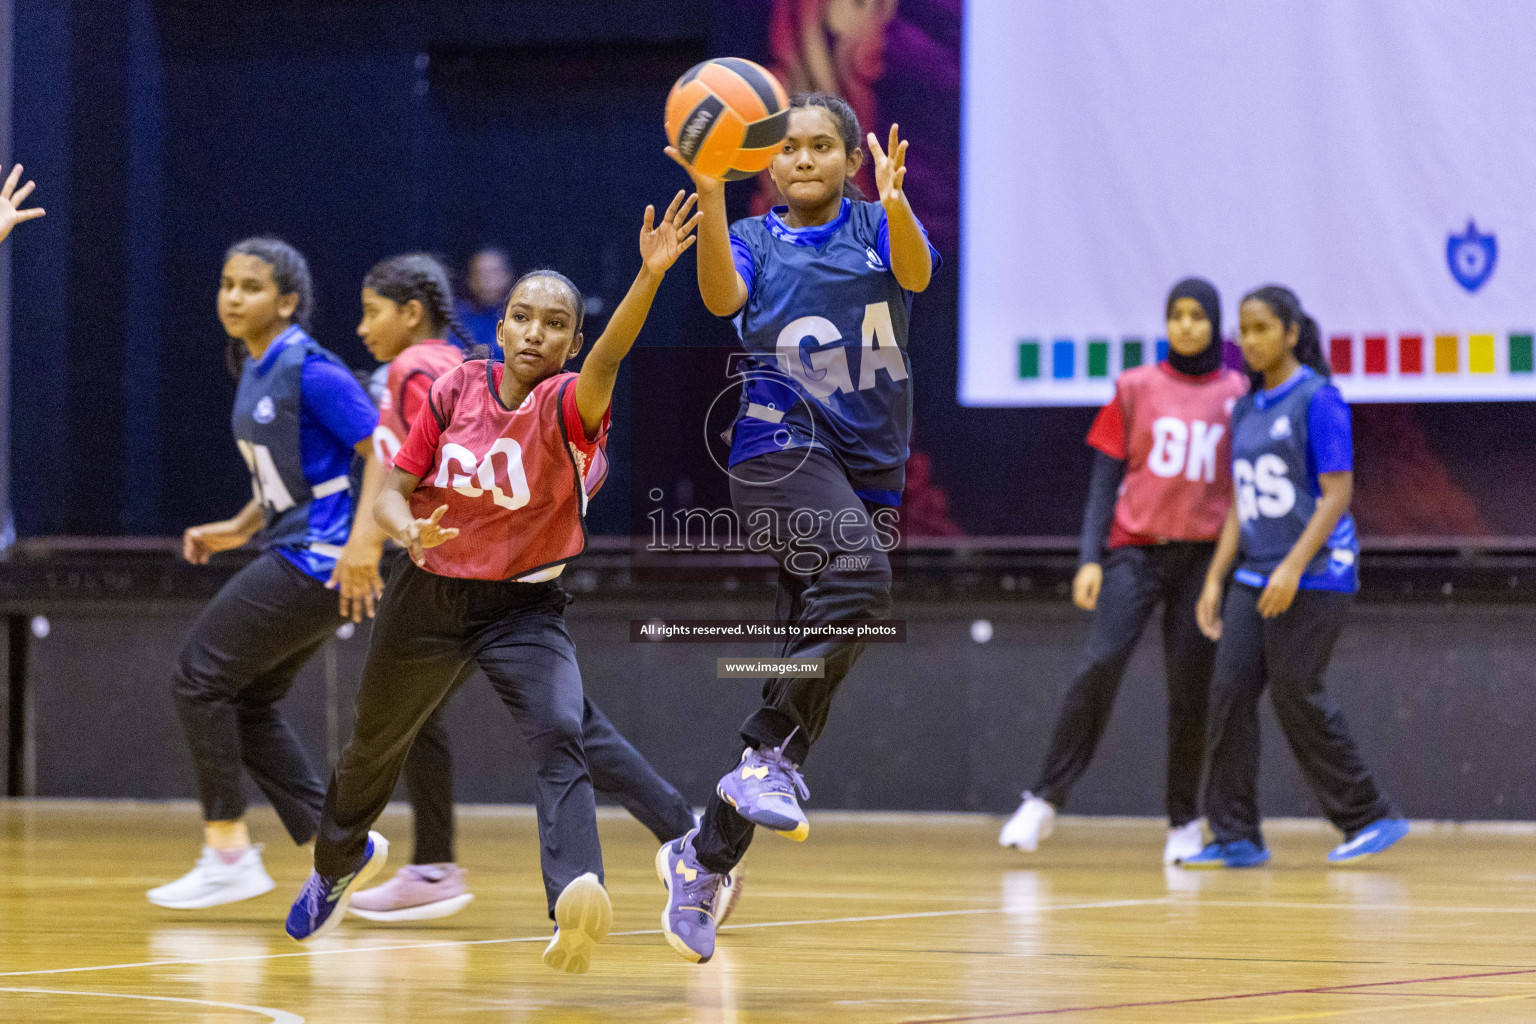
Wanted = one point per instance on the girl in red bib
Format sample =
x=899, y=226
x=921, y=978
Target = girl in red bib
x=488, y=496
x=408, y=315
x=1161, y=488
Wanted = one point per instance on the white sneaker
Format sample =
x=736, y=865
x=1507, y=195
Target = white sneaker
x=1183, y=843
x=728, y=893
x=583, y=917
x=213, y=882
x=1033, y=821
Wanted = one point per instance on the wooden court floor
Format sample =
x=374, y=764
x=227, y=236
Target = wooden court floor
x=887, y=920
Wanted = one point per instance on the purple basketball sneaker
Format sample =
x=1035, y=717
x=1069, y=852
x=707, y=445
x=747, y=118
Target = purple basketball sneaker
x=762, y=788
x=688, y=921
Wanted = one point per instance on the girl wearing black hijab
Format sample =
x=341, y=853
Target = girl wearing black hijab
x=1158, y=497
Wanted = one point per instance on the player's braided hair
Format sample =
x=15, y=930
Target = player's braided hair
x=290, y=272
x=1309, y=339
x=848, y=129
x=421, y=276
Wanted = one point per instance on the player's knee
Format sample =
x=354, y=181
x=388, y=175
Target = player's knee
x=558, y=737
x=192, y=682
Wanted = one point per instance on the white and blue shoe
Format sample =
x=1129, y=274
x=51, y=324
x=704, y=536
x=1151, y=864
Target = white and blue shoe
x=322, y=903
x=1244, y=853
x=1369, y=841
x=583, y=918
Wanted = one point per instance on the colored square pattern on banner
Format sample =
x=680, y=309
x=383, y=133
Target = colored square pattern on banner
x=1369, y=366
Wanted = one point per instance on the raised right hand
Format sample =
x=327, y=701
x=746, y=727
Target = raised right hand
x=703, y=184
x=12, y=197
x=426, y=533
x=199, y=543
x=1086, y=584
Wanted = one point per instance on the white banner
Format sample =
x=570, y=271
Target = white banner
x=1376, y=156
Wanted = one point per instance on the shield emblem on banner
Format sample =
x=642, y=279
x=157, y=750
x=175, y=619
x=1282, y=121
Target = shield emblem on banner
x=1471, y=256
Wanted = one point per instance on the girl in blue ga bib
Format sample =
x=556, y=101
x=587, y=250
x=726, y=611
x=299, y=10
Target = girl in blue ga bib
x=1290, y=533
x=819, y=290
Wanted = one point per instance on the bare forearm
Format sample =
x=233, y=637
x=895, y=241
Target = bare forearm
x=365, y=530
x=910, y=260
x=1337, y=489
x=720, y=285
x=1226, y=550
x=391, y=509
x=594, y=387
x=248, y=521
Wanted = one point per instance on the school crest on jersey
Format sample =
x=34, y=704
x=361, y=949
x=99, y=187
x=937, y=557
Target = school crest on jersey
x=265, y=411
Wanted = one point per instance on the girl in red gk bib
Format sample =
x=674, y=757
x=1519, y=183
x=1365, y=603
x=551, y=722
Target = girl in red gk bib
x=488, y=497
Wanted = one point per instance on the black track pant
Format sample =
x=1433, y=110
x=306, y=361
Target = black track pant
x=618, y=772
x=1288, y=654
x=428, y=630
x=239, y=660
x=1136, y=580
x=805, y=496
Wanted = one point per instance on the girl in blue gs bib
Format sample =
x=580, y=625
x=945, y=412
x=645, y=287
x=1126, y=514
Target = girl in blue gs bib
x=1290, y=533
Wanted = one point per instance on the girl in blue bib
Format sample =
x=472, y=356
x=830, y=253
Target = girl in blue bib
x=1291, y=536
x=819, y=290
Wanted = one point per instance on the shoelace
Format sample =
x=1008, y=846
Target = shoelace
x=311, y=895
x=701, y=891
x=775, y=756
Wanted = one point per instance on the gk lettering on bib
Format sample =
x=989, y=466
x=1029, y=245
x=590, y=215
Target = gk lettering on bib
x=1177, y=450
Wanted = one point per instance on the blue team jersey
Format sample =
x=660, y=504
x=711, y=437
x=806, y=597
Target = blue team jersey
x=298, y=415
x=1282, y=439
x=825, y=324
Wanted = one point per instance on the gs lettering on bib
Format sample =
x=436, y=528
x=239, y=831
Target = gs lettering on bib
x=516, y=481
x=1177, y=450
x=1276, y=494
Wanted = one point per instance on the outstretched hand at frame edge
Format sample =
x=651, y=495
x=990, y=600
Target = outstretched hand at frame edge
x=11, y=199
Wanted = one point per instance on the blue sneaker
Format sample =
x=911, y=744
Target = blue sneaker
x=1369, y=841
x=688, y=921
x=1244, y=853
x=322, y=903
x=762, y=789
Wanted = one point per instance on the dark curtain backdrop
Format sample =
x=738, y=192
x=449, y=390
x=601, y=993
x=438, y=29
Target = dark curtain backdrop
x=159, y=132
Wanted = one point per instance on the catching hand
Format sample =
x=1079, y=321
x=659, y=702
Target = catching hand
x=11, y=199
x=660, y=246
x=703, y=184
x=426, y=533
x=890, y=166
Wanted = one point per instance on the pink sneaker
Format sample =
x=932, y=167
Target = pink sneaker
x=418, y=892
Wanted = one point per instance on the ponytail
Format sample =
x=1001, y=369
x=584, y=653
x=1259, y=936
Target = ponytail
x=1286, y=307
x=848, y=129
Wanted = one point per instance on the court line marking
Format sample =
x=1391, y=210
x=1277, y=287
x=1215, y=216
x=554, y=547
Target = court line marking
x=865, y=919
x=1401, y=907
x=276, y=1016
x=1318, y=1015
x=1324, y=990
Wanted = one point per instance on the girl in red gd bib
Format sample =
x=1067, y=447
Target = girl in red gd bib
x=488, y=497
